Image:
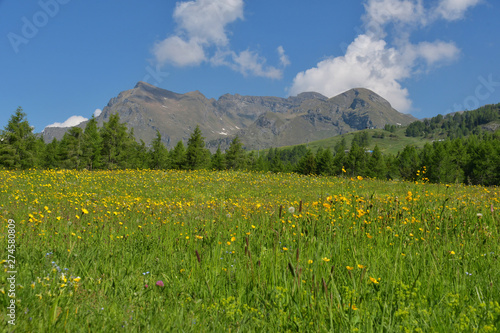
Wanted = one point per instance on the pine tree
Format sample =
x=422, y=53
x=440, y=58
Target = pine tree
x=197, y=156
x=72, y=148
x=178, y=156
x=276, y=164
x=114, y=142
x=49, y=156
x=307, y=164
x=235, y=155
x=92, y=145
x=17, y=143
x=159, y=158
x=376, y=165
x=324, y=163
x=218, y=160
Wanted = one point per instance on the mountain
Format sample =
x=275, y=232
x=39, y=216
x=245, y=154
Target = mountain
x=260, y=121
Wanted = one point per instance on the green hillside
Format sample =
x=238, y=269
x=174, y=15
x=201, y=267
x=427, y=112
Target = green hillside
x=389, y=143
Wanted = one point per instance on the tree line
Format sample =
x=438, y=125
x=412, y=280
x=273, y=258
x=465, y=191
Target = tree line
x=455, y=125
x=472, y=160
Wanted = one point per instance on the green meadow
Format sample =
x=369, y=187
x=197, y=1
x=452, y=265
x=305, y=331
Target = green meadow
x=203, y=251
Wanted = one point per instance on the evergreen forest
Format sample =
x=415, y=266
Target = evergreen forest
x=468, y=155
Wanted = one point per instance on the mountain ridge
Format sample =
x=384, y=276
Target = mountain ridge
x=260, y=121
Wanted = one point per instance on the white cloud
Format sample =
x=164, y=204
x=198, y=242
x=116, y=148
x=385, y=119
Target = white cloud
x=455, y=9
x=283, y=57
x=201, y=23
x=70, y=122
x=179, y=52
x=97, y=112
x=370, y=62
x=248, y=62
x=202, y=36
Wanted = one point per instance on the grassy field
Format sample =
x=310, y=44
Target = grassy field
x=159, y=251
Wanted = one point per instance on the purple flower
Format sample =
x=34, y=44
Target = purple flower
x=160, y=283
x=145, y=286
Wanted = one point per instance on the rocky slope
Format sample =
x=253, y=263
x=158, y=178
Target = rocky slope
x=260, y=122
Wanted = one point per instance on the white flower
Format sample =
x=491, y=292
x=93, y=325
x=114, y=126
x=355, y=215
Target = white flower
x=291, y=210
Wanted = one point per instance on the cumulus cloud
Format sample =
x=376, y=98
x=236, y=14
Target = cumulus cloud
x=455, y=9
x=97, y=112
x=371, y=62
x=202, y=36
x=70, y=122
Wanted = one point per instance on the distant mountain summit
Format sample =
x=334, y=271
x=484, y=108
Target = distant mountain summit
x=260, y=121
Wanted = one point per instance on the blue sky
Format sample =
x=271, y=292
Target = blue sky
x=65, y=58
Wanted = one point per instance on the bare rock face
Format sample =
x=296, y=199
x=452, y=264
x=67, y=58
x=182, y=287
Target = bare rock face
x=260, y=121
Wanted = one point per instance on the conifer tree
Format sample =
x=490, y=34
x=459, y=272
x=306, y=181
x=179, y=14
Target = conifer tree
x=178, y=156
x=197, y=156
x=235, y=155
x=159, y=158
x=114, y=142
x=376, y=165
x=92, y=145
x=17, y=143
x=218, y=160
x=307, y=164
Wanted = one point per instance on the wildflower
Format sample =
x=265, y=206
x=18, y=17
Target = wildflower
x=285, y=249
x=479, y=215
x=233, y=239
x=373, y=280
x=360, y=178
x=291, y=210
x=77, y=279
x=146, y=286
x=84, y=211
x=325, y=259
x=343, y=170
x=309, y=261
x=349, y=268
x=361, y=266
x=452, y=252
x=160, y=283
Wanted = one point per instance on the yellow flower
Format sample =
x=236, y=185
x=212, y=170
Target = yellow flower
x=233, y=239
x=228, y=243
x=360, y=178
x=77, y=279
x=285, y=249
x=325, y=259
x=343, y=170
x=361, y=266
x=309, y=261
x=84, y=211
x=452, y=252
x=349, y=268
x=373, y=280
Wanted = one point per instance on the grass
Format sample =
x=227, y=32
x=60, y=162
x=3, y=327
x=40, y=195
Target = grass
x=235, y=251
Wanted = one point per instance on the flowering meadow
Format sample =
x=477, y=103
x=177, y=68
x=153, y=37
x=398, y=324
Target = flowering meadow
x=203, y=251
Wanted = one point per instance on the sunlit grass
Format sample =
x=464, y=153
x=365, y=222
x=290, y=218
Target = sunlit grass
x=220, y=251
